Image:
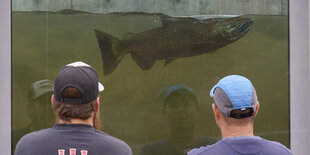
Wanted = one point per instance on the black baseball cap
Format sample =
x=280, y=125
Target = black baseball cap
x=80, y=76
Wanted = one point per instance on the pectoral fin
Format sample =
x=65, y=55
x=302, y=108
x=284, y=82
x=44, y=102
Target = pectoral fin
x=143, y=63
x=168, y=61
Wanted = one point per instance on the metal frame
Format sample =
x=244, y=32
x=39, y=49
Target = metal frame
x=5, y=76
x=299, y=76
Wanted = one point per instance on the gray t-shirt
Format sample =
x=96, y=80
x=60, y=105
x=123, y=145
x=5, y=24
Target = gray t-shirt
x=71, y=139
x=242, y=145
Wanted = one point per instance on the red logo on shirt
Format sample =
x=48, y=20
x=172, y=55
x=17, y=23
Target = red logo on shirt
x=83, y=152
x=72, y=151
x=61, y=152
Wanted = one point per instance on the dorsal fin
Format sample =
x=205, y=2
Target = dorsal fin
x=145, y=63
x=168, y=61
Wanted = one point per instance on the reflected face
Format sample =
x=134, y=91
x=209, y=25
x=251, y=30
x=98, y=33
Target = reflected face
x=181, y=113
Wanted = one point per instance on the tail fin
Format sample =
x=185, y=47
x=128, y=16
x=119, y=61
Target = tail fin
x=109, y=51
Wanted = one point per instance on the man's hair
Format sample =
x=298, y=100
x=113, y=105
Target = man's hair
x=68, y=111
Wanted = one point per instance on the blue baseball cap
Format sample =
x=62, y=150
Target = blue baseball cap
x=234, y=92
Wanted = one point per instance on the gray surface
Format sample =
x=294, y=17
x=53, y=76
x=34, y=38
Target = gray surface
x=5, y=78
x=299, y=77
x=171, y=7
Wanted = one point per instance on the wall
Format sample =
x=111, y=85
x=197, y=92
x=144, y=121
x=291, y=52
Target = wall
x=170, y=7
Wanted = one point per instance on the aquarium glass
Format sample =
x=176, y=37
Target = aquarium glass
x=158, y=60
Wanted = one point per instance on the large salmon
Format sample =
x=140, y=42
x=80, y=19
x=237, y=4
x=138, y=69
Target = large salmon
x=177, y=37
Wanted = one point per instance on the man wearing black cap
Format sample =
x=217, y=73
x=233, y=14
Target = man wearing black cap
x=235, y=107
x=76, y=104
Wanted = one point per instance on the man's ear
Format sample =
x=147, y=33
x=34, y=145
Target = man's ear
x=256, y=110
x=216, y=111
x=52, y=100
x=97, y=105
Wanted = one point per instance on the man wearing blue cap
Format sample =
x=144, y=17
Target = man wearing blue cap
x=76, y=104
x=235, y=107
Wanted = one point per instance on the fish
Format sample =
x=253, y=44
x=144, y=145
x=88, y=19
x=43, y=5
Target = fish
x=177, y=37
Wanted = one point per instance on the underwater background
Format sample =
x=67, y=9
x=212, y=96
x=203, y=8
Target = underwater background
x=43, y=42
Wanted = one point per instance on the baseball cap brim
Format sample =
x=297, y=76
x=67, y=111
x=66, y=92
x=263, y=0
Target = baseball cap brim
x=41, y=87
x=100, y=86
x=212, y=91
x=80, y=63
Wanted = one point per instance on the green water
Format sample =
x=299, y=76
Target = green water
x=44, y=42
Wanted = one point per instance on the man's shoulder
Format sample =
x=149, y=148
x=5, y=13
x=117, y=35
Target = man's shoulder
x=36, y=135
x=243, y=145
x=205, y=149
x=98, y=137
x=65, y=139
x=255, y=145
x=104, y=137
x=277, y=146
x=28, y=141
x=108, y=143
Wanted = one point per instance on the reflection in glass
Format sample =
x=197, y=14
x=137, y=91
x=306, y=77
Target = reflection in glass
x=38, y=108
x=180, y=107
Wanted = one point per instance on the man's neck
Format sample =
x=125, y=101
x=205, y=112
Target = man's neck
x=235, y=131
x=77, y=121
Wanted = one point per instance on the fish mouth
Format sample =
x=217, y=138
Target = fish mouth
x=241, y=29
x=245, y=26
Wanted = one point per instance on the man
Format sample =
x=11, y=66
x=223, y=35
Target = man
x=76, y=104
x=235, y=107
x=181, y=108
